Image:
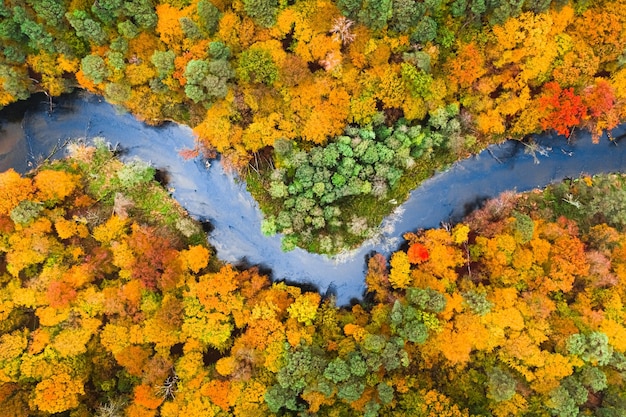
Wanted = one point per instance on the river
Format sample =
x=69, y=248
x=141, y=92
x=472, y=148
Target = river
x=29, y=132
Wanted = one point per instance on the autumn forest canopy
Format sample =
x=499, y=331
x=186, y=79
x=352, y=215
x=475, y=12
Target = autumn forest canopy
x=112, y=303
x=332, y=108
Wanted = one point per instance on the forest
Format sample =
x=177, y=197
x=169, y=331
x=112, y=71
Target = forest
x=113, y=304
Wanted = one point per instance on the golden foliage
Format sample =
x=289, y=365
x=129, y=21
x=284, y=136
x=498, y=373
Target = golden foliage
x=226, y=366
x=304, y=308
x=469, y=64
x=112, y=229
x=146, y=396
x=196, y=257
x=168, y=26
x=59, y=393
x=399, y=276
x=13, y=189
x=68, y=228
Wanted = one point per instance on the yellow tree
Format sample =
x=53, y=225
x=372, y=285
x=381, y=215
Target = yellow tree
x=13, y=189
x=55, y=185
x=399, y=275
x=60, y=392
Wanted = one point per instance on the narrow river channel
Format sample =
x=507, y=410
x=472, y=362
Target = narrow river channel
x=30, y=132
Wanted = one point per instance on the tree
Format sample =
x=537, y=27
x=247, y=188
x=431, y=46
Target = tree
x=399, y=277
x=593, y=347
x=262, y=11
x=417, y=253
x=86, y=27
x=39, y=38
x=257, y=66
x=375, y=14
x=61, y=392
x=127, y=29
x=108, y=11
x=55, y=185
x=425, y=31
x=405, y=15
x=563, y=109
x=209, y=16
x=50, y=11
x=600, y=102
x=168, y=25
x=304, y=308
x=337, y=371
x=190, y=28
x=468, y=65
x=94, y=68
x=501, y=386
x=117, y=93
x=206, y=80
x=142, y=12
x=14, y=189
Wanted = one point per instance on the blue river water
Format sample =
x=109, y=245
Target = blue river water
x=29, y=132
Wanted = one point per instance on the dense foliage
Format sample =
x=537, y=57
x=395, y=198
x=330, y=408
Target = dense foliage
x=111, y=304
x=249, y=75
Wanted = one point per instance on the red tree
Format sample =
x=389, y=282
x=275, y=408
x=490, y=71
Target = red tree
x=563, y=109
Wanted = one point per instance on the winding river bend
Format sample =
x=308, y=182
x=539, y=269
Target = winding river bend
x=29, y=132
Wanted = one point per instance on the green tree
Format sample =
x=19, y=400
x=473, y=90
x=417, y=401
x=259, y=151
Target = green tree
x=108, y=11
x=376, y=13
x=593, y=348
x=117, y=92
x=94, y=68
x=142, y=12
x=203, y=84
x=39, y=39
x=16, y=82
x=262, y=11
x=86, y=27
x=425, y=31
x=500, y=385
x=49, y=11
x=349, y=8
x=119, y=44
x=337, y=371
x=537, y=6
x=351, y=390
x=10, y=31
x=190, y=28
x=164, y=62
x=405, y=15
x=417, y=81
x=256, y=66
x=458, y=8
x=219, y=51
x=593, y=378
x=116, y=60
x=385, y=393
x=477, y=301
x=127, y=29
x=209, y=16
x=26, y=211
x=277, y=397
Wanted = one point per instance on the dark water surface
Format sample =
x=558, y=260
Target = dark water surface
x=29, y=132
